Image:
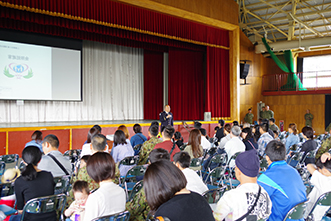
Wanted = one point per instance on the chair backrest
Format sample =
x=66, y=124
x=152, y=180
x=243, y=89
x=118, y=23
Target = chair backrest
x=122, y=216
x=196, y=162
x=136, y=171
x=73, y=154
x=182, y=147
x=217, y=160
x=263, y=164
x=22, y=165
x=297, y=212
x=136, y=188
x=215, y=176
x=129, y=161
x=10, y=158
x=45, y=204
x=233, y=157
x=297, y=157
x=62, y=184
x=2, y=167
x=323, y=200
x=7, y=189
x=137, y=148
x=212, y=196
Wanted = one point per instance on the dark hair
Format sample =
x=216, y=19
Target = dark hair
x=308, y=132
x=137, y=128
x=235, y=123
x=85, y=158
x=99, y=142
x=162, y=181
x=101, y=166
x=257, y=133
x=227, y=127
x=275, y=132
x=52, y=140
x=197, y=125
x=275, y=150
x=158, y=154
x=216, y=128
x=249, y=133
x=81, y=186
x=183, y=158
x=249, y=109
x=125, y=130
x=221, y=122
x=119, y=138
x=169, y=131
x=272, y=119
x=177, y=135
x=293, y=126
x=91, y=133
x=98, y=128
x=155, y=123
x=264, y=126
x=154, y=130
x=37, y=135
x=194, y=140
x=31, y=155
x=326, y=165
x=203, y=131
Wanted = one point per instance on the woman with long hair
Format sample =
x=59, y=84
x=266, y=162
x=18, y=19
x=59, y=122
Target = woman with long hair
x=248, y=139
x=293, y=137
x=194, y=148
x=33, y=183
x=164, y=186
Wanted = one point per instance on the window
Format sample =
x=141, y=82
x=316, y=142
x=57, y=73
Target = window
x=317, y=72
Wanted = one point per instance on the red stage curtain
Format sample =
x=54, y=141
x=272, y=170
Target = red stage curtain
x=218, y=82
x=153, y=84
x=186, y=84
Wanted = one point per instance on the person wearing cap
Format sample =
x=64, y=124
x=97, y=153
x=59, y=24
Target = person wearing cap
x=282, y=182
x=236, y=203
x=249, y=117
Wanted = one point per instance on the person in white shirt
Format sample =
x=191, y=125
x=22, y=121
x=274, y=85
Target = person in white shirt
x=237, y=203
x=204, y=141
x=194, y=183
x=321, y=180
x=234, y=145
x=227, y=137
x=109, y=198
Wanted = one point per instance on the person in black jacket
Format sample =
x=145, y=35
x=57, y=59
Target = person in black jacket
x=166, y=118
x=220, y=132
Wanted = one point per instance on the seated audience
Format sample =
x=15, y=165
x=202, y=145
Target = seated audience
x=309, y=145
x=321, y=180
x=226, y=138
x=248, y=200
x=109, y=198
x=282, y=182
x=235, y=123
x=164, y=186
x=167, y=144
x=256, y=132
x=138, y=206
x=178, y=139
x=194, y=183
x=98, y=129
x=246, y=125
x=326, y=144
x=292, y=138
x=138, y=138
x=204, y=141
x=264, y=139
x=248, y=139
x=77, y=208
x=194, y=148
x=220, y=132
x=86, y=149
x=36, y=139
x=126, y=132
x=122, y=148
x=149, y=145
x=276, y=133
x=33, y=183
x=272, y=124
x=234, y=145
x=53, y=161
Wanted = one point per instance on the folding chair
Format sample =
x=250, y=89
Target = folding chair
x=133, y=175
x=196, y=163
x=128, y=161
x=215, y=178
x=296, y=159
x=231, y=182
x=6, y=189
x=45, y=204
x=137, y=149
x=10, y=158
x=122, y=216
x=263, y=165
x=62, y=184
x=323, y=200
x=297, y=212
x=213, y=195
x=74, y=156
x=216, y=161
x=2, y=167
x=136, y=188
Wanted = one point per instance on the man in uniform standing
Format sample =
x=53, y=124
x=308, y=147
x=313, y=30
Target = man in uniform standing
x=249, y=116
x=268, y=113
x=309, y=118
x=166, y=118
x=262, y=113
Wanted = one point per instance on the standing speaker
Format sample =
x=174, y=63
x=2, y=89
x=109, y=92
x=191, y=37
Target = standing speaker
x=244, y=69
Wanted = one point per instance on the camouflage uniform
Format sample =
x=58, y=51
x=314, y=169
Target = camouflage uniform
x=138, y=207
x=249, y=118
x=309, y=119
x=262, y=114
x=328, y=128
x=268, y=114
x=274, y=127
x=326, y=145
x=146, y=148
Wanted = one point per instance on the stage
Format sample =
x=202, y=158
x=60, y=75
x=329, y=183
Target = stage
x=72, y=135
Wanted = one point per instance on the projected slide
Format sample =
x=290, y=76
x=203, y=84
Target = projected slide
x=25, y=71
